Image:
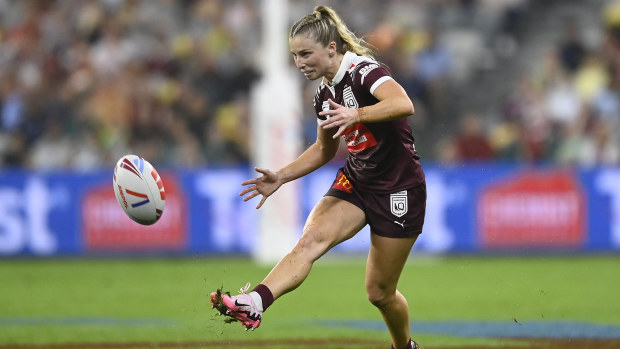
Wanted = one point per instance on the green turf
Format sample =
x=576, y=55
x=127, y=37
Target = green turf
x=76, y=300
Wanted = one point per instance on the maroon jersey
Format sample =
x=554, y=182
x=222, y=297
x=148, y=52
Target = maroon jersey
x=382, y=157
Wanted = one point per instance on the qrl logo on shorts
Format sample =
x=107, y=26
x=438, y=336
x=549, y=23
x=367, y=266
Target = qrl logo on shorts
x=398, y=203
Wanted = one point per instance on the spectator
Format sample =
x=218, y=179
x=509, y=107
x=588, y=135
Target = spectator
x=600, y=147
x=53, y=150
x=572, y=50
x=471, y=143
x=12, y=111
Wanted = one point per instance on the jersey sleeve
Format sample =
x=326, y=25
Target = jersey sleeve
x=319, y=105
x=371, y=75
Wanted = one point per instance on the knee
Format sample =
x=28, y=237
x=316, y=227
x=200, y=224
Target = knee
x=310, y=245
x=379, y=295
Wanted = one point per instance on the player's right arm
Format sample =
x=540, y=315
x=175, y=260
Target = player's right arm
x=318, y=154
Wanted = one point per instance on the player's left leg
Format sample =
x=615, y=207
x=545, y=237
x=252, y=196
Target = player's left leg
x=386, y=260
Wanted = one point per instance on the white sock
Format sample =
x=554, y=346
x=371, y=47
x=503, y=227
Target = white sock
x=257, y=300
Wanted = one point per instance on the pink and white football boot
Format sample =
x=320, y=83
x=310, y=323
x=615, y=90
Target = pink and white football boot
x=411, y=345
x=239, y=308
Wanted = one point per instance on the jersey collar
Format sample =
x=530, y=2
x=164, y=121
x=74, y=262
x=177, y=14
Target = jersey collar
x=345, y=65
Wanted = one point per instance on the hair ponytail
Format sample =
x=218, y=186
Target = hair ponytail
x=324, y=25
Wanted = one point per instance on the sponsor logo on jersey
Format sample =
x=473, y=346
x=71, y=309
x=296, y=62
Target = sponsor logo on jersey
x=398, y=203
x=367, y=69
x=358, y=138
x=348, y=98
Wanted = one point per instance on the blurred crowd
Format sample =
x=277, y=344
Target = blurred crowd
x=83, y=82
x=565, y=110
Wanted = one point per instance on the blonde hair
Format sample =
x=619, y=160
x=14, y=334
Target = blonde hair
x=324, y=25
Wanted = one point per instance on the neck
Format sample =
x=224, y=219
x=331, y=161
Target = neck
x=333, y=69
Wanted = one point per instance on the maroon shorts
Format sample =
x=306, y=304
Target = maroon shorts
x=396, y=215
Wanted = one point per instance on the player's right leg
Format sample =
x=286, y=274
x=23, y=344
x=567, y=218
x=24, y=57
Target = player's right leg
x=331, y=222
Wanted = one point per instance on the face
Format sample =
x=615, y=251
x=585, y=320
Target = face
x=312, y=59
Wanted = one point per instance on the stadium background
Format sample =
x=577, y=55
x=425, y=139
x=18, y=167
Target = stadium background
x=517, y=119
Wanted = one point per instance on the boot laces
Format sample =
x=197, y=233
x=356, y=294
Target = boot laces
x=244, y=289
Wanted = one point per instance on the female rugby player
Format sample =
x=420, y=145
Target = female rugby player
x=381, y=184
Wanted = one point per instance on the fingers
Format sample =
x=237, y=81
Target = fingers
x=251, y=196
x=252, y=190
x=333, y=104
x=342, y=125
x=261, y=170
x=254, y=181
x=327, y=112
x=339, y=117
x=333, y=121
x=261, y=202
x=250, y=181
x=333, y=108
x=253, y=193
x=339, y=133
x=247, y=190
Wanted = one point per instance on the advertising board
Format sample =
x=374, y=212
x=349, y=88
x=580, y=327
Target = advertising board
x=470, y=209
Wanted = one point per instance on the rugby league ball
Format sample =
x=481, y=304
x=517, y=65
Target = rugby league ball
x=139, y=189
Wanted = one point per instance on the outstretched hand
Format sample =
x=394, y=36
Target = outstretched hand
x=264, y=185
x=339, y=116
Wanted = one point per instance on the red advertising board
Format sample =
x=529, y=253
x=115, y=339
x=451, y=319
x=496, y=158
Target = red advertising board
x=106, y=227
x=533, y=209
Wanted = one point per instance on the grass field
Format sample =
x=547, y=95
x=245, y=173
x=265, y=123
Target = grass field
x=128, y=303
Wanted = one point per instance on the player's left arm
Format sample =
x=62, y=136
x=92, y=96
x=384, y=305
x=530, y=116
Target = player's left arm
x=394, y=103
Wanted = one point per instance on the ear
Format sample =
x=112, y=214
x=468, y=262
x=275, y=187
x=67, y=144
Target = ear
x=333, y=48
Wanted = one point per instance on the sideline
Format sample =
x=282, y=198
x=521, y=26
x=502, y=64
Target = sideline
x=498, y=329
